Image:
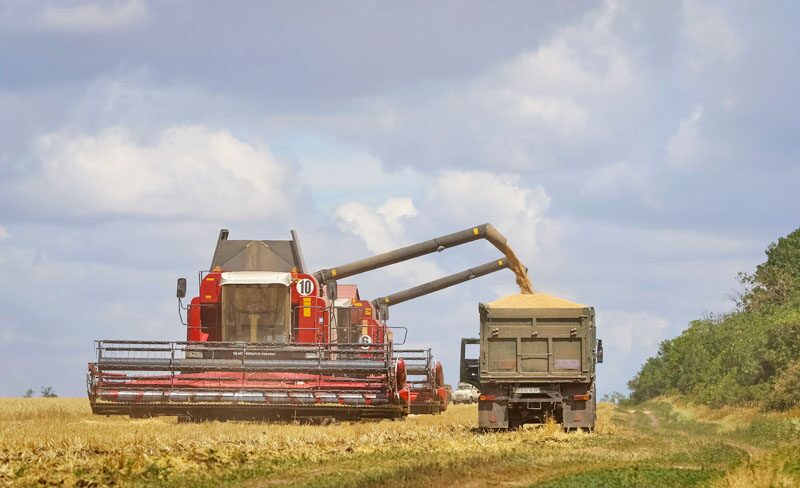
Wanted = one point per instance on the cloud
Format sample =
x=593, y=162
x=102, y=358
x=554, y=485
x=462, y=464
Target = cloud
x=533, y=110
x=474, y=197
x=622, y=179
x=186, y=171
x=8, y=332
x=460, y=199
x=628, y=339
x=631, y=332
x=3, y=233
x=452, y=200
x=109, y=170
x=382, y=230
x=94, y=17
x=686, y=148
x=711, y=39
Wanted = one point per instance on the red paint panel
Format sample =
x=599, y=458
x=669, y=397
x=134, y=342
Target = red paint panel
x=194, y=332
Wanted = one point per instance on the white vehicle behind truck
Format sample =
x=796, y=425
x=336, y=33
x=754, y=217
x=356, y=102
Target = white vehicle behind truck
x=465, y=393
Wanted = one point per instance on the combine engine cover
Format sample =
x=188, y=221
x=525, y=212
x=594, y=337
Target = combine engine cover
x=424, y=385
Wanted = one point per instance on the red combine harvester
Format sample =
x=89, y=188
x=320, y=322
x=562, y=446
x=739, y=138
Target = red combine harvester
x=268, y=340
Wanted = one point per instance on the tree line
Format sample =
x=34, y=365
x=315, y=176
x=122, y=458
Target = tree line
x=750, y=356
x=45, y=392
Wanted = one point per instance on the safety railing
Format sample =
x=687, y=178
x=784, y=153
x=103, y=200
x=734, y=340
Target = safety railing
x=240, y=357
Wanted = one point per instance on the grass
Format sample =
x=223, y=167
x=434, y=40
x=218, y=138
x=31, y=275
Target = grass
x=663, y=443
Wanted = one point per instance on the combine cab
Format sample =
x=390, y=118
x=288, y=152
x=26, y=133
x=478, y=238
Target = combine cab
x=267, y=340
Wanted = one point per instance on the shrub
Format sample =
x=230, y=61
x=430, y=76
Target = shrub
x=746, y=357
x=785, y=393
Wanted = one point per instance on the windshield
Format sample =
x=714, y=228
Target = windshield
x=256, y=313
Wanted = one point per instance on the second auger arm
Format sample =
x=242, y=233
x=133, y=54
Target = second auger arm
x=425, y=376
x=382, y=304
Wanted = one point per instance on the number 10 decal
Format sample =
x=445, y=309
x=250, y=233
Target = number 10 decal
x=305, y=287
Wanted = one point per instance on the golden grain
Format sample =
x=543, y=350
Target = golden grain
x=533, y=300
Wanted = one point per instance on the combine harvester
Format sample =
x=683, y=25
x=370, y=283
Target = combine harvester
x=267, y=340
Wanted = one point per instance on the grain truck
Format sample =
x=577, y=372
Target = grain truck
x=535, y=359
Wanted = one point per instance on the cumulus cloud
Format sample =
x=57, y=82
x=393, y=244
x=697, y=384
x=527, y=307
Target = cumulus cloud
x=632, y=332
x=528, y=111
x=452, y=200
x=628, y=339
x=382, y=229
x=472, y=197
x=686, y=147
x=94, y=16
x=709, y=35
x=459, y=199
x=186, y=170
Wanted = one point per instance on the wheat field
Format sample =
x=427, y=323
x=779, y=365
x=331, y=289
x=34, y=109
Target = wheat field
x=59, y=442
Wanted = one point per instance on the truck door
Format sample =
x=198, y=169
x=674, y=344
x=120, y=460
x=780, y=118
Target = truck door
x=470, y=362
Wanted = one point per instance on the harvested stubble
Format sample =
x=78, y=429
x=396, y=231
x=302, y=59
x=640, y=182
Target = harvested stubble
x=533, y=300
x=59, y=442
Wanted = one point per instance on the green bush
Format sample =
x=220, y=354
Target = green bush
x=785, y=392
x=745, y=357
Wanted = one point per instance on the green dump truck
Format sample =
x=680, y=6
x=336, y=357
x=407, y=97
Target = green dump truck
x=535, y=359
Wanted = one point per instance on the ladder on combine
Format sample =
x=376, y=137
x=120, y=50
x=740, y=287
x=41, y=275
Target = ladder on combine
x=425, y=381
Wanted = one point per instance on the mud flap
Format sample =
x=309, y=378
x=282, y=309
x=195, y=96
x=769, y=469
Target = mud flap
x=492, y=414
x=578, y=413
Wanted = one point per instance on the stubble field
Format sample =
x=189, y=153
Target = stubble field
x=664, y=443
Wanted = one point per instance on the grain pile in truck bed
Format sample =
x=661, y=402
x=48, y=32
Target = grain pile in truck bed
x=533, y=300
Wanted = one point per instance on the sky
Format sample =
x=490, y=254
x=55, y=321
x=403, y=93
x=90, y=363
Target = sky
x=637, y=155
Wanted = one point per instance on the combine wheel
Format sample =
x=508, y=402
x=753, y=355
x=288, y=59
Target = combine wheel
x=316, y=420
